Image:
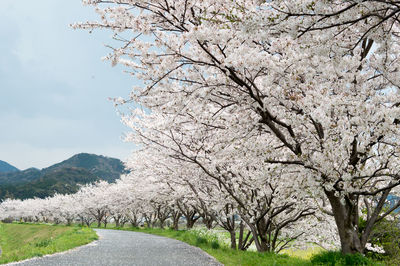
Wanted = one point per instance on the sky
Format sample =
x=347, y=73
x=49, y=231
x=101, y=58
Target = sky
x=54, y=87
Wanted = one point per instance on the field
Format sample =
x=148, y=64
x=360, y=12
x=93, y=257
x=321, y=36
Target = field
x=23, y=241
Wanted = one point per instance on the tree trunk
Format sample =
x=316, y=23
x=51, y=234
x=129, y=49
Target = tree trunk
x=88, y=223
x=162, y=222
x=233, y=239
x=150, y=219
x=229, y=225
x=259, y=232
x=176, y=215
x=69, y=221
x=244, y=243
x=134, y=220
x=117, y=219
x=134, y=224
x=189, y=214
x=241, y=232
x=123, y=222
x=189, y=223
x=208, y=222
x=346, y=218
x=162, y=213
x=191, y=220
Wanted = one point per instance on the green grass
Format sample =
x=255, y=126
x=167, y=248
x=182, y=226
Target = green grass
x=23, y=241
x=304, y=253
x=223, y=253
x=336, y=258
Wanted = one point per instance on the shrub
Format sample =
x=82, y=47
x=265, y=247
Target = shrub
x=43, y=243
x=387, y=235
x=200, y=240
x=336, y=258
x=214, y=244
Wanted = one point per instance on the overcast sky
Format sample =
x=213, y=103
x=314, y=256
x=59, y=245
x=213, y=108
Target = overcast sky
x=54, y=87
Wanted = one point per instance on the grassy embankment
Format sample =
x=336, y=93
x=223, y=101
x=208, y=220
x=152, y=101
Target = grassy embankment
x=23, y=241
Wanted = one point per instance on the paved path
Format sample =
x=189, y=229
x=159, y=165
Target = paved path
x=127, y=248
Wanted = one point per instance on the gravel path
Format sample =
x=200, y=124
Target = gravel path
x=127, y=248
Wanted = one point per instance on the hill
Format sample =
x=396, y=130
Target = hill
x=24, y=176
x=6, y=167
x=64, y=177
x=105, y=168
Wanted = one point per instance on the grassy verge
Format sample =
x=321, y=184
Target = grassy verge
x=307, y=253
x=222, y=253
x=23, y=241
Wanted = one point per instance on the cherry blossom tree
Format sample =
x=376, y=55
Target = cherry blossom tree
x=365, y=121
x=315, y=81
x=96, y=201
x=223, y=192
x=303, y=74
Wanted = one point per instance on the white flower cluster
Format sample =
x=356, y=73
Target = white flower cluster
x=374, y=248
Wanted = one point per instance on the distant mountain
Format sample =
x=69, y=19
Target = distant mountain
x=24, y=176
x=105, y=168
x=64, y=177
x=6, y=167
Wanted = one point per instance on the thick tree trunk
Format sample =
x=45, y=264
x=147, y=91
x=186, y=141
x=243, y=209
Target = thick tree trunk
x=347, y=219
x=260, y=246
x=189, y=223
x=191, y=220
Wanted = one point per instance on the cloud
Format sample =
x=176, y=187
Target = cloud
x=53, y=85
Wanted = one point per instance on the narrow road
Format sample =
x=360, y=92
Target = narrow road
x=127, y=248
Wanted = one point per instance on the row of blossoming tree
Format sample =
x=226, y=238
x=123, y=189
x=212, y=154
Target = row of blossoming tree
x=281, y=113
x=145, y=198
